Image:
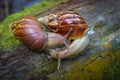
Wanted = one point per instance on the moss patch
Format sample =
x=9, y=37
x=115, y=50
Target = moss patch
x=7, y=39
x=112, y=72
x=98, y=67
x=91, y=70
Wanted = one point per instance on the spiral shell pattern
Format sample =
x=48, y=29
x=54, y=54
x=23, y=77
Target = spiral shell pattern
x=29, y=31
x=70, y=19
x=63, y=21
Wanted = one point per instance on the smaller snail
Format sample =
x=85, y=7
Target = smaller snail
x=30, y=32
x=72, y=26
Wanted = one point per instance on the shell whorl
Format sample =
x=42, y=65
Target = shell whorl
x=44, y=20
x=50, y=22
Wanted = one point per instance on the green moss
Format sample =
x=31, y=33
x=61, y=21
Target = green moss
x=98, y=67
x=104, y=65
x=112, y=72
x=58, y=75
x=7, y=39
x=88, y=71
x=50, y=65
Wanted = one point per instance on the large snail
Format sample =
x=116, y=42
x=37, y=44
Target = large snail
x=72, y=26
x=30, y=32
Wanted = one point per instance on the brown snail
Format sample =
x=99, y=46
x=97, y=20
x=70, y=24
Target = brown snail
x=30, y=32
x=63, y=21
x=71, y=25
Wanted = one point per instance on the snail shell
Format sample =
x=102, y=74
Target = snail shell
x=30, y=32
x=63, y=21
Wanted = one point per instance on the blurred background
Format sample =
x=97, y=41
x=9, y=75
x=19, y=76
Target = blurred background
x=8, y=7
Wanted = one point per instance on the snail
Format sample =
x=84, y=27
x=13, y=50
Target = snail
x=30, y=32
x=72, y=26
x=62, y=22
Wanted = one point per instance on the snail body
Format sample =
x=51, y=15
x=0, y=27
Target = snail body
x=71, y=24
x=63, y=21
x=30, y=32
x=76, y=47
